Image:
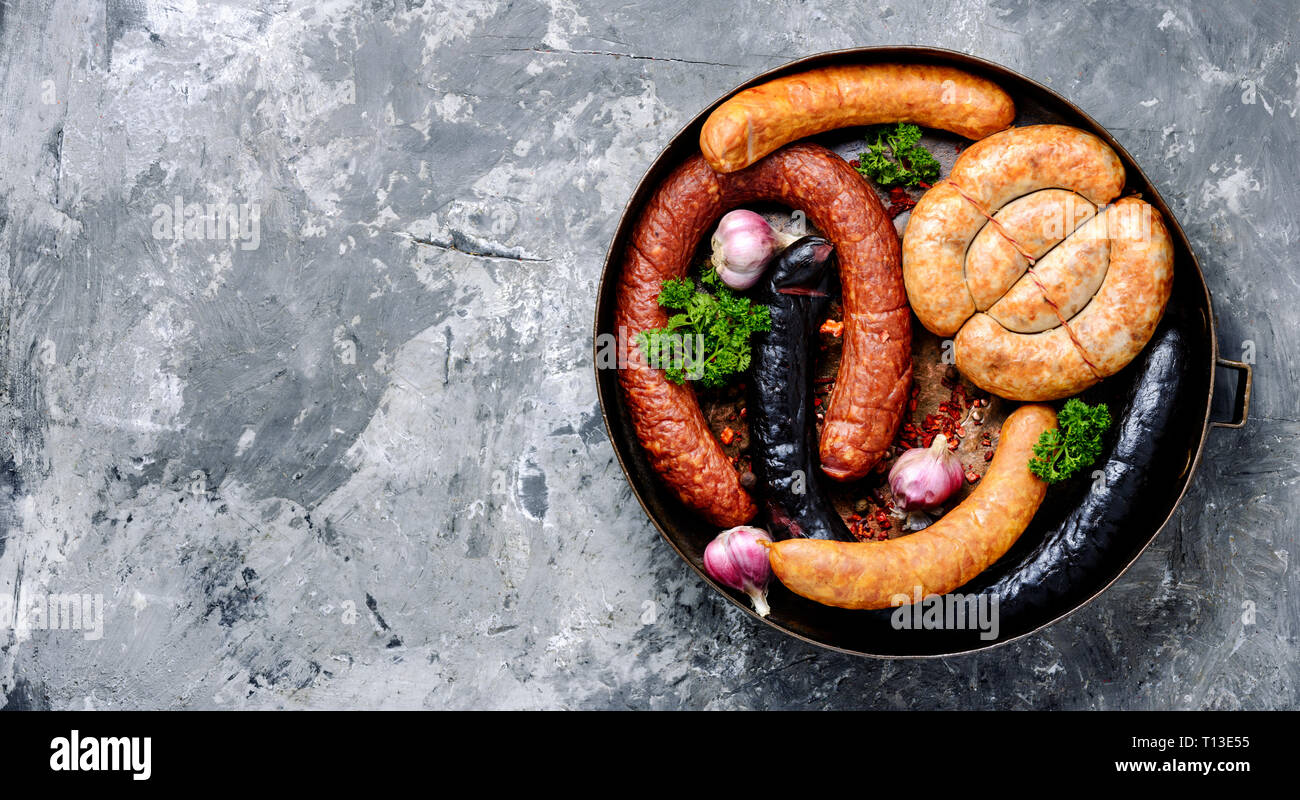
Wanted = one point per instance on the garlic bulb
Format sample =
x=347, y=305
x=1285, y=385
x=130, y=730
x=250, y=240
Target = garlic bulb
x=924, y=477
x=743, y=245
x=737, y=558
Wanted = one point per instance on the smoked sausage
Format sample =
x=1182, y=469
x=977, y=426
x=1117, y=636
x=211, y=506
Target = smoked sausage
x=875, y=372
x=758, y=120
x=938, y=559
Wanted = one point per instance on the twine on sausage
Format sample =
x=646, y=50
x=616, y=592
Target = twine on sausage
x=1002, y=231
x=996, y=224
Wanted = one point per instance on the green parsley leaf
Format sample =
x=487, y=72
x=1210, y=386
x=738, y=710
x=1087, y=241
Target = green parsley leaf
x=709, y=341
x=895, y=157
x=676, y=293
x=1075, y=443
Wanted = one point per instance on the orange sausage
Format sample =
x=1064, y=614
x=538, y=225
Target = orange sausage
x=952, y=551
x=761, y=119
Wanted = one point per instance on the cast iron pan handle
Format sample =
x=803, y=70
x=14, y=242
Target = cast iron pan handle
x=1241, y=397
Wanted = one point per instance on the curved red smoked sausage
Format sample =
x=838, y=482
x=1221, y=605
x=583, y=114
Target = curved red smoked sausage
x=876, y=368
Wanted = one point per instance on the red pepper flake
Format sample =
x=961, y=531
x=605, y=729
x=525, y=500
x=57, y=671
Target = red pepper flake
x=988, y=456
x=817, y=401
x=727, y=436
x=899, y=201
x=743, y=412
x=971, y=477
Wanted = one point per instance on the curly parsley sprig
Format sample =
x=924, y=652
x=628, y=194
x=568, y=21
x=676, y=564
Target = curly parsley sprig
x=1074, y=444
x=708, y=340
x=896, y=157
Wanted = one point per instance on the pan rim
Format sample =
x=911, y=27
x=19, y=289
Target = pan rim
x=914, y=54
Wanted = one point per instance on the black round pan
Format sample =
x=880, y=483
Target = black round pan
x=1086, y=534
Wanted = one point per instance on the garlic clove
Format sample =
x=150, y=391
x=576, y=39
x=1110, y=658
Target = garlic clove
x=925, y=477
x=737, y=558
x=914, y=521
x=740, y=281
x=743, y=245
x=758, y=596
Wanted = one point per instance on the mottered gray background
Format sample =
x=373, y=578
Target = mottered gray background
x=353, y=457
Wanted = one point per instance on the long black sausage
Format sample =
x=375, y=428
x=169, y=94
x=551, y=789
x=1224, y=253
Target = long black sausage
x=796, y=291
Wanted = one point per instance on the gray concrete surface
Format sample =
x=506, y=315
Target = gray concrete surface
x=349, y=455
